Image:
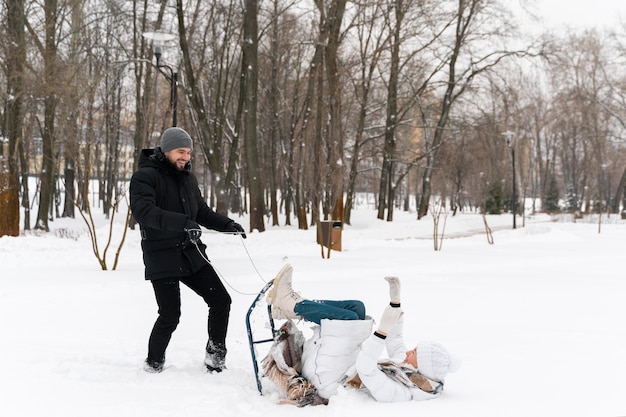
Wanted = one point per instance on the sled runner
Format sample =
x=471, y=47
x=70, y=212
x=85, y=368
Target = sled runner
x=283, y=358
x=251, y=339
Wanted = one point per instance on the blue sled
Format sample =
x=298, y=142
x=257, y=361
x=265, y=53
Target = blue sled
x=251, y=340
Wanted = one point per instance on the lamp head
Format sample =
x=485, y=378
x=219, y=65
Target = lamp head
x=508, y=136
x=158, y=38
x=157, y=53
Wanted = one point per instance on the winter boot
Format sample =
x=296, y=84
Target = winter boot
x=215, y=357
x=282, y=297
x=153, y=366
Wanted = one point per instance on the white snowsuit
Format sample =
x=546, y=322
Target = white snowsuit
x=328, y=358
x=339, y=349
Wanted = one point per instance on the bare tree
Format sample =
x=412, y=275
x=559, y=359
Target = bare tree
x=282, y=67
x=323, y=104
x=464, y=60
x=583, y=125
x=250, y=78
x=386, y=189
x=48, y=48
x=372, y=41
x=15, y=55
x=209, y=45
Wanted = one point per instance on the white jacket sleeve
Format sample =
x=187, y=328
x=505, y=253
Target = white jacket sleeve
x=380, y=386
x=396, y=348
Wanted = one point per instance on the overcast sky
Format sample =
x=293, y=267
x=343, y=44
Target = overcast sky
x=582, y=13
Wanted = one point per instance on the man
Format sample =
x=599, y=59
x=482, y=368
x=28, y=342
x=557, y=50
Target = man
x=166, y=202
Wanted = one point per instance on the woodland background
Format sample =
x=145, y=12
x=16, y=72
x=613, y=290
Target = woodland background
x=296, y=106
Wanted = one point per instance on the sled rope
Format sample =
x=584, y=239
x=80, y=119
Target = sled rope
x=219, y=274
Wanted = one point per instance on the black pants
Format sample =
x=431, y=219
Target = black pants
x=207, y=285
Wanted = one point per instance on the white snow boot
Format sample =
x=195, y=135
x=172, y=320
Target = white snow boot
x=282, y=297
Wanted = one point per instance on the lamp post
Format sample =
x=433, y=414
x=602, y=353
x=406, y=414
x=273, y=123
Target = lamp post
x=171, y=75
x=508, y=136
x=602, y=186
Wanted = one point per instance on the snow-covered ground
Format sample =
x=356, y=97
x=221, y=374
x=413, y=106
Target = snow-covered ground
x=537, y=318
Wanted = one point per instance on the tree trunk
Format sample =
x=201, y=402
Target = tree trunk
x=15, y=65
x=304, y=162
x=318, y=157
x=9, y=203
x=619, y=194
x=46, y=192
x=334, y=139
x=387, y=187
x=70, y=191
x=250, y=75
x=351, y=189
x=25, y=187
x=274, y=124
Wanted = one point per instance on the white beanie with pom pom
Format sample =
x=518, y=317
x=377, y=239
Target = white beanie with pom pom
x=434, y=361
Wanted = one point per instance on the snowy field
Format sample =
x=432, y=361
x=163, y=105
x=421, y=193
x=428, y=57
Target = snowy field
x=537, y=318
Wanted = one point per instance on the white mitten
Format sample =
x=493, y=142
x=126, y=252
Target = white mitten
x=394, y=289
x=389, y=319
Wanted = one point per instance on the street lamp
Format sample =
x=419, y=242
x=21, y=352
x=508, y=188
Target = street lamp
x=508, y=136
x=171, y=75
x=601, y=187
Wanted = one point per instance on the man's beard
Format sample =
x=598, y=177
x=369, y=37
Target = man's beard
x=175, y=165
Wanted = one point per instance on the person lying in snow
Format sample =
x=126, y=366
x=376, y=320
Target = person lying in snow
x=344, y=351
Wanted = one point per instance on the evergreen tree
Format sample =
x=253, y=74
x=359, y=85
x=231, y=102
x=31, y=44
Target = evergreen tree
x=571, y=199
x=550, y=202
x=494, y=204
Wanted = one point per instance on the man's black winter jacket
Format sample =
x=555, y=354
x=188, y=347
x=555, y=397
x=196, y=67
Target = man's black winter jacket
x=162, y=198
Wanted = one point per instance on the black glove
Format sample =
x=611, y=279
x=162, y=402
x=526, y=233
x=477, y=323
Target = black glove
x=193, y=230
x=233, y=227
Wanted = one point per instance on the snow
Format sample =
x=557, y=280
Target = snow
x=537, y=318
